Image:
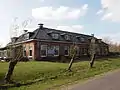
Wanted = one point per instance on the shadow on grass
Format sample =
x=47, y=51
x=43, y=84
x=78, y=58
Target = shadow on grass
x=7, y=86
x=1, y=77
x=4, y=86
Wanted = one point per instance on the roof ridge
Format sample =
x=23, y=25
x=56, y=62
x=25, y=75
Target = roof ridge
x=66, y=31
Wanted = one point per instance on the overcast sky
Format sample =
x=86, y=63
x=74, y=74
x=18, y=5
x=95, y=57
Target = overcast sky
x=101, y=17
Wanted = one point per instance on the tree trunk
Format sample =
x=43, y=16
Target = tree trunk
x=10, y=70
x=71, y=62
x=16, y=55
x=92, y=60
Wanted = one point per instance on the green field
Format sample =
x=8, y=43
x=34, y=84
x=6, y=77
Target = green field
x=43, y=75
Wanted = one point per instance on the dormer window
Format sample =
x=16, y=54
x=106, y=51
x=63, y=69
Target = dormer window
x=63, y=34
x=14, y=39
x=26, y=36
x=99, y=40
x=67, y=37
x=50, y=32
x=55, y=36
x=82, y=39
x=78, y=37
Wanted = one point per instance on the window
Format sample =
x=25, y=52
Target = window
x=66, y=48
x=24, y=50
x=30, y=51
x=55, y=36
x=5, y=53
x=99, y=40
x=53, y=50
x=80, y=51
x=82, y=39
x=50, y=50
x=106, y=51
x=43, y=50
x=67, y=37
x=84, y=51
x=77, y=51
x=56, y=48
x=26, y=36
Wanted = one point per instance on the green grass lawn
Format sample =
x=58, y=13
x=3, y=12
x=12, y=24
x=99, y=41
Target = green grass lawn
x=44, y=75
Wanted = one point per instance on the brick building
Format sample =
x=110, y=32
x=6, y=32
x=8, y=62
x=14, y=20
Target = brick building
x=45, y=43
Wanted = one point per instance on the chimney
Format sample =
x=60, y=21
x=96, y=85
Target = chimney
x=92, y=35
x=41, y=25
x=25, y=31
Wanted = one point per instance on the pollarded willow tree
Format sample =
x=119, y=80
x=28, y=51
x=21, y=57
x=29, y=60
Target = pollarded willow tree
x=93, y=47
x=15, y=50
x=92, y=50
x=16, y=55
x=73, y=52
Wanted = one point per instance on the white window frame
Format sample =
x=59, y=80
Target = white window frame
x=54, y=47
x=54, y=35
x=67, y=37
x=45, y=50
x=30, y=48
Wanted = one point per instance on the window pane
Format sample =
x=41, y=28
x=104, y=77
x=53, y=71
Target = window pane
x=82, y=39
x=43, y=47
x=50, y=51
x=43, y=50
x=24, y=50
x=66, y=50
x=30, y=51
x=67, y=37
x=55, y=36
x=24, y=53
x=56, y=50
x=53, y=50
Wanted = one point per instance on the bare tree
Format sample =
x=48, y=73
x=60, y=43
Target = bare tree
x=107, y=40
x=113, y=46
x=16, y=52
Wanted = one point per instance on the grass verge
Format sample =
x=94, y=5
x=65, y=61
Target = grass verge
x=46, y=75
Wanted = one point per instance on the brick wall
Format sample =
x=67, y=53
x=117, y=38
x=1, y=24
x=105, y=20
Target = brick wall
x=32, y=45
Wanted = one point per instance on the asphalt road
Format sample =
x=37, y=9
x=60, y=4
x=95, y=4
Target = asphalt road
x=110, y=81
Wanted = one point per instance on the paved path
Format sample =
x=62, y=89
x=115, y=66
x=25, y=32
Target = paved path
x=110, y=81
